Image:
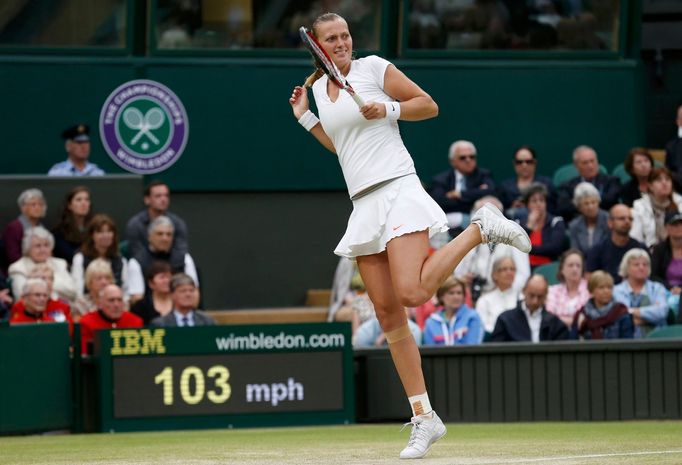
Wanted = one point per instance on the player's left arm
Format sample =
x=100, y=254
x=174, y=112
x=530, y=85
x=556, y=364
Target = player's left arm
x=415, y=103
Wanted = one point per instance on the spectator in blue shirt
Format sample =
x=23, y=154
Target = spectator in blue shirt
x=455, y=323
x=77, y=145
x=647, y=301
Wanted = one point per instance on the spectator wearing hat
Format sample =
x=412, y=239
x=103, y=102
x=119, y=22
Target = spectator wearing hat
x=185, y=297
x=666, y=258
x=77, y=145
x=547, y=232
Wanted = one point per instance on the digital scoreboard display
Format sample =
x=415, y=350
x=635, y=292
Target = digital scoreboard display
x=225, y=376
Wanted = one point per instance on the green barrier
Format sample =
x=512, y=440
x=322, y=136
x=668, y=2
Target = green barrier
x=225, y=376
x=35, y=392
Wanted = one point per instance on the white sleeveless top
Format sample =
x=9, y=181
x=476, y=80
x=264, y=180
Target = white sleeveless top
x=369, y=151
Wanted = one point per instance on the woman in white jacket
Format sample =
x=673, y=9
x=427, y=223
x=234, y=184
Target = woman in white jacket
x=648, y=213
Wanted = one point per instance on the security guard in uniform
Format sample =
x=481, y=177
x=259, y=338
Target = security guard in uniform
x=77, y=145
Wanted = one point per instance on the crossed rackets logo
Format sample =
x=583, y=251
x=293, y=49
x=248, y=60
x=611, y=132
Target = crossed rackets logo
x=151, y=120
x=143, y=126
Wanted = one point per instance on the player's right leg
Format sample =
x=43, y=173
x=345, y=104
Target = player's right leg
x=416, y=276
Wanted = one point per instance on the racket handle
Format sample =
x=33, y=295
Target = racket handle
x=358, y=100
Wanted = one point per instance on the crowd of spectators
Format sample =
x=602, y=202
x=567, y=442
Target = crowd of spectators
x=606, y=257
x=615, y=250
x=81, y=270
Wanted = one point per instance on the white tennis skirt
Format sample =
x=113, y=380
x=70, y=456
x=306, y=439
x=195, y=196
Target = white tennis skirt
x=400, y=207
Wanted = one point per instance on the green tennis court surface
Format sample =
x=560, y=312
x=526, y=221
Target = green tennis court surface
x=536, y=443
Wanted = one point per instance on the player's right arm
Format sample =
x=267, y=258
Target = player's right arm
x=299, y=104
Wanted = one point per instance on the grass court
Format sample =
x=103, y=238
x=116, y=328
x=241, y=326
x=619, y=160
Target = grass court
x=647, y=442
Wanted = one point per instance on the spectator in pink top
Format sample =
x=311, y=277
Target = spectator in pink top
x=571, y=294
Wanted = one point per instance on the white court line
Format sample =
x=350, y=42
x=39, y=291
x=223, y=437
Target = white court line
x=587, y=456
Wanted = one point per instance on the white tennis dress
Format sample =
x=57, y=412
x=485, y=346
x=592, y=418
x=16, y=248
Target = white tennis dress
x=371, y=153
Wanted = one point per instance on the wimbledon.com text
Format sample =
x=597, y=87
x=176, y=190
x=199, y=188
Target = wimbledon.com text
x=259, y=341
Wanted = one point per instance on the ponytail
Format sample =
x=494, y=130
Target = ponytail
x=310, y=80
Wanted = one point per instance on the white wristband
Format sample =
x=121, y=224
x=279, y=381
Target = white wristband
x=308, y=120
x=392, y=110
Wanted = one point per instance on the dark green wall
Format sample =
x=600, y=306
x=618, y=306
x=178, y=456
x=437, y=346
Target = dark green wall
x=613, y=380
x=35, y=392
x=244, y=138
x=662, y=96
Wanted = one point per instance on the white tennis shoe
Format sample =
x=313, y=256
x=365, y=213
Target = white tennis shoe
x=425, y=431
x=497, y=229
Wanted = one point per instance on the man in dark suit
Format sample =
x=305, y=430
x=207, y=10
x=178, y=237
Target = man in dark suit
x=456, y=189
x=673, y=151
x=587, y=164
x=185, y=296
x=607, y=254
x=530, y=321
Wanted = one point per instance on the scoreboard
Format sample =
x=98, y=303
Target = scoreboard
x=225, y=376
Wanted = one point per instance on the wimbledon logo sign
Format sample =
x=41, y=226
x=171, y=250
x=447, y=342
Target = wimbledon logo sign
x=143, y=126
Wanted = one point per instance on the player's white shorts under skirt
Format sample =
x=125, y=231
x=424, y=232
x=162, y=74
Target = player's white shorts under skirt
x=400, y=207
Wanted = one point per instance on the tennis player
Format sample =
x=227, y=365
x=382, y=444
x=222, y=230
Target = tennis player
x=393, y=217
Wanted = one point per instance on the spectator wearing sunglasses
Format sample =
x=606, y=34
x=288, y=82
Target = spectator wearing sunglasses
x=525, y=166
x=456, y=189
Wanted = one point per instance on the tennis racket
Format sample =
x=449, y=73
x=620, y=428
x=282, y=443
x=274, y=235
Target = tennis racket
x=325, y=63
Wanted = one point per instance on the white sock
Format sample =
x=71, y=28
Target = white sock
x=420, y=404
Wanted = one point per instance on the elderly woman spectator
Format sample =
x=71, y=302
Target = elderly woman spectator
x=571, y=294
x=476, y=266
x=37, y=246
x=602, y=317
x=57, y=310
x=101, y=241
x=525, y=166
x=591, y=225
x=34, y=306
x=503, y=297
x=160, y=236
x=638, y=165
x=547, y=232
x=33, y=207
x=647, y=301
x=455, y=323
x=98, y=275
x=157, y=302
x=648, y=213
x=70, y=232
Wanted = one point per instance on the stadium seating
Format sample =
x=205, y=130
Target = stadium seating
x=567, y=172
x=549, y=271
x=673, y=331
x=620, y=173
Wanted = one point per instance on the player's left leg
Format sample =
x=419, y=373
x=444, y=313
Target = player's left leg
x=427, y=427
